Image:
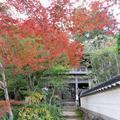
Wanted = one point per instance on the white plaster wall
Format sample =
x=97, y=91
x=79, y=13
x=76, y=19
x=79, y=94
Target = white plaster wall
x=106, y=103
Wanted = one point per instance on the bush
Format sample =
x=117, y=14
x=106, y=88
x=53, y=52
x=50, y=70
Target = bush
x=35, y=98
x=56, y=113
x=34, y=112
x=40, y=112
x=80, y=114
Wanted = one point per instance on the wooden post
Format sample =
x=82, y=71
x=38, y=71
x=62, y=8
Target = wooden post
x=76, y=89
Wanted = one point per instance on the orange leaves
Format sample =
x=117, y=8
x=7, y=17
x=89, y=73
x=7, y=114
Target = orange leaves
x=80, y=20
x=1, y=42
x=96, y=5
x=75, y=53
x=39, y=41
x=32, y=47
x=3, y=108
x=87, y=20
x=4, y=105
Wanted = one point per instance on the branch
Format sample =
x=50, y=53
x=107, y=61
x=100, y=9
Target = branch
x=1, y=66
x=53, y=92
x=37, y=18
x=2, y=86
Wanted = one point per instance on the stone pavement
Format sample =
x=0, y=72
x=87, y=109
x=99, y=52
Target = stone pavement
x=69, y=111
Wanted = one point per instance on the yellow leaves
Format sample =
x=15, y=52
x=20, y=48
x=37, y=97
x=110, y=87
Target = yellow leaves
x=36, y=98
x=34, y=113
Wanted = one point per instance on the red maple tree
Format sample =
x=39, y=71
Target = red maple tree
x=97, y=17
x=33, y=44
x=43, y=37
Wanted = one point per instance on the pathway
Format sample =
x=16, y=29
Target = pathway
x=69, y=111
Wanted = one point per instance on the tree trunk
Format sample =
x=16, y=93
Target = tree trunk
x=10, y=114
x=117, y=64
x=53, y=92
x=30, y=82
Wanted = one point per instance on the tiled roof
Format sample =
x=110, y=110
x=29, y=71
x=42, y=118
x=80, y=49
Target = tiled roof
x=114, y=82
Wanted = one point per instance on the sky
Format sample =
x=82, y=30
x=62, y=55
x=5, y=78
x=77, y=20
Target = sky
x=2, y=0
x=45, y=2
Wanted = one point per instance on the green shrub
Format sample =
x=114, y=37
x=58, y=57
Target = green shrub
x=35, y=98
x=80, y=114
x=35, y=112
x=56, y=112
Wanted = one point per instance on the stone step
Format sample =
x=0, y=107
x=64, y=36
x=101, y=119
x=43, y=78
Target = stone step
x=68, y=104
x=68, y=100
x=69, y=108
x=69, y=114
x=71, y=119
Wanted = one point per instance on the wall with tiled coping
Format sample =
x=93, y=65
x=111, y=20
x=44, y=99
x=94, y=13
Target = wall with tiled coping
x=104, y=101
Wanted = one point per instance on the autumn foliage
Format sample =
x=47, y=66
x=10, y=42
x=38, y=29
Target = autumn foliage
x=4, y=105
x=44, y=36
x=30, y=45
x=97, y=18
x=36, y=42
x=40, y=41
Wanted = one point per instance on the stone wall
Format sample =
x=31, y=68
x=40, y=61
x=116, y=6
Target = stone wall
x=90, y=115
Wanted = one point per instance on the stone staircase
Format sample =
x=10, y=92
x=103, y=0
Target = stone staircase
x=69, y=110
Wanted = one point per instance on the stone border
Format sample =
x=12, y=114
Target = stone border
x=90, y=115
